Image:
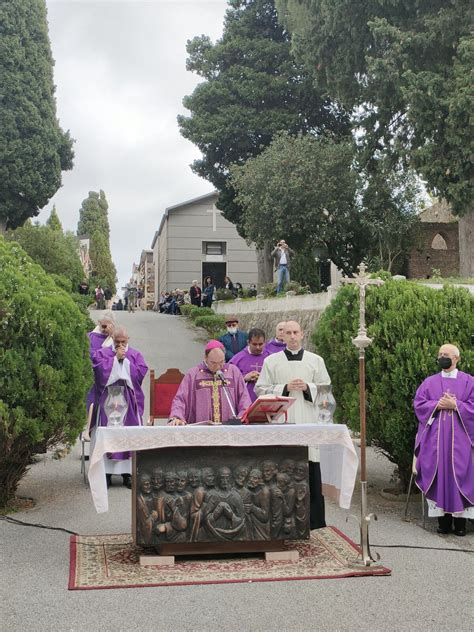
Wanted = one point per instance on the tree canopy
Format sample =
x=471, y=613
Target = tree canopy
x=405, y=69
x=94, y=223
x=57, y=253
x=53, y=220
x=253, y=89
x=34, y=150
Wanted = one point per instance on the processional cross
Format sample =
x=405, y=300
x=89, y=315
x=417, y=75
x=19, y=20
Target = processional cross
x=362, y=341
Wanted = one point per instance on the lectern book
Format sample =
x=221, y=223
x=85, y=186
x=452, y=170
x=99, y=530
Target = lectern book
x=267, y=408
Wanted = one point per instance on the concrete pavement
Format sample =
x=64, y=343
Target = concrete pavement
x=428, y=589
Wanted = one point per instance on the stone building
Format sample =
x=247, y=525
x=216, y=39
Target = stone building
x=194, y=241
x=146, y=279
x=437, y=246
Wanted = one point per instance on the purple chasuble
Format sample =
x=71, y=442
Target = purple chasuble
x=274, y=346
x=102, y=362
x=95, y=343
x=247, y=362
x=193, y=402
x=444, y=447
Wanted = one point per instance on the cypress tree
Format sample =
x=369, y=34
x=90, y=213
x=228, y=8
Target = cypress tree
x=34, y=150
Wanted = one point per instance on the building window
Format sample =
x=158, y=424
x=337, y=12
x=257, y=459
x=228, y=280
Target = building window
x=214, y=247
x=439, y=242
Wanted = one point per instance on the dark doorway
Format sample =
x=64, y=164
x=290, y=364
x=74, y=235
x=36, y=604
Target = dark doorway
x=215, y=270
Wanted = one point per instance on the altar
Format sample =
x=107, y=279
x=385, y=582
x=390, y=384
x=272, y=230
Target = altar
x=338, y=457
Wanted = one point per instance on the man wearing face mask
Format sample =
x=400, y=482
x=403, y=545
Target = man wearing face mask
x=444, y=406
x=234, y=340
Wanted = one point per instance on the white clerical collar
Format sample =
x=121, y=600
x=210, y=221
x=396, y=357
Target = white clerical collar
x=294, y=352
x=450, y=374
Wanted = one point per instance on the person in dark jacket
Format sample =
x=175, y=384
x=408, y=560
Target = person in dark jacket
x=234, y=340
x=208, y=292
x=195, y=293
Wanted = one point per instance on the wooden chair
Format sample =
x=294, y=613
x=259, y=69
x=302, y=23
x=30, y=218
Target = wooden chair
x=162, y=391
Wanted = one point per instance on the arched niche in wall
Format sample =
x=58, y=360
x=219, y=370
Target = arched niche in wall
x=439, y=242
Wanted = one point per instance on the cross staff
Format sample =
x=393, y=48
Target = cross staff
x=215, y=212
x=362, y=341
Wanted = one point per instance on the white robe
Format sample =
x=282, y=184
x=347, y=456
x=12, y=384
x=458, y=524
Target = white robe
x=277, y=371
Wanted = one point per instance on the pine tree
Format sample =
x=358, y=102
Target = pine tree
x=34, y=150
x=53, y=221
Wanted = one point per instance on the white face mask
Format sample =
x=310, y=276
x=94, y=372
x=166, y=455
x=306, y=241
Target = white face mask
x=232, y=330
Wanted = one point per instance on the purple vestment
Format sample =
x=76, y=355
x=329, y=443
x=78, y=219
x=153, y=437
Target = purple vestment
x=443, y=448
x=193, y=401
x=96, y=341
x=274, y=346
x=103, y=362
x=247, y=362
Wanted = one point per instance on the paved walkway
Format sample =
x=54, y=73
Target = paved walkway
x=428, y=590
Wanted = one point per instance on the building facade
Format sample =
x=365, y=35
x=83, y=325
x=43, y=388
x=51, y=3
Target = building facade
x=194, y=241
x=436, y=250
x=146, y=280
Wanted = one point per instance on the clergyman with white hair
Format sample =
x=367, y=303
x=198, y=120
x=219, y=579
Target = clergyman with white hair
x=444, y=406
x=119, y=371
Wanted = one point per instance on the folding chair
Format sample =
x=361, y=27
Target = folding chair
x=85, y=438
x=162, y=392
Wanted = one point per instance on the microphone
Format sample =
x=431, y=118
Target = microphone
x=221, y=376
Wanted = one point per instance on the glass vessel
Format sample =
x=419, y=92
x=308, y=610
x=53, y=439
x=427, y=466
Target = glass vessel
x=325, y=404
x=115, y=406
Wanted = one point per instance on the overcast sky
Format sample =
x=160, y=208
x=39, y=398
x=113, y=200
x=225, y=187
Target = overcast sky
x=120, y=78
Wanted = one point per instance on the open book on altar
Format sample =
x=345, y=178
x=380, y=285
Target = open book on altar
x=266, y=408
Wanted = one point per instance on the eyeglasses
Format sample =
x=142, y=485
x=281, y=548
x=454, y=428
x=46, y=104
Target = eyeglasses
x=232, y=322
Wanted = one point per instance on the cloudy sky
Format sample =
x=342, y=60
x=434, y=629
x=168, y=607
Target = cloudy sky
x=120, y=77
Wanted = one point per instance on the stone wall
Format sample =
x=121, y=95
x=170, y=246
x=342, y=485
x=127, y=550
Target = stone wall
x=424, y=258
x=265, y=313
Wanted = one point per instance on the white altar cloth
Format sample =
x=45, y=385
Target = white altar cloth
x=339, y=459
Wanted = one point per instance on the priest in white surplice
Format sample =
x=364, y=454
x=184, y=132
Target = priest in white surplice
x=297, y=373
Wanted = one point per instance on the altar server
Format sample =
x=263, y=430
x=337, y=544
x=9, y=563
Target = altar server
x=444, y=405
x=119, y=371
x=297, y=373
x=200, y=396
x=249, y=361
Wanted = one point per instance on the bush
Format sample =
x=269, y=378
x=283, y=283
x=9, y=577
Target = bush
x=224, y=295
x=408, y=323
x=186, y=309
x=197, y=312
x=45, y=369
x=214, y=325
x=270, y=289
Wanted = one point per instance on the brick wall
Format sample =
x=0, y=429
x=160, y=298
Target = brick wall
x=423, y=258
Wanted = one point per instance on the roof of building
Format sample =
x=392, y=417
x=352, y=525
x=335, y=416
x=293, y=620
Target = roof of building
x=200, y=198
x=439, y=213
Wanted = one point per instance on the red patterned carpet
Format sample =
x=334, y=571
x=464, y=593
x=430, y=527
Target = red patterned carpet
x=112, y=561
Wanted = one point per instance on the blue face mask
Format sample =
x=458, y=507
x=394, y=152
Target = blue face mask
x=444, y=363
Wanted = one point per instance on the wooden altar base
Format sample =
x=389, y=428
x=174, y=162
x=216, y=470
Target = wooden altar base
x=273, y=550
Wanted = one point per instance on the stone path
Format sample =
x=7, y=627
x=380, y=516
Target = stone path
x=428, y=590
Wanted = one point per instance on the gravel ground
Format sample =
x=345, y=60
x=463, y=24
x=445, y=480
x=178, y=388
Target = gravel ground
x=428, y=590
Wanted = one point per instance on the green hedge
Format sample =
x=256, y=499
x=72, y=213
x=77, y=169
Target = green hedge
x=197, y=312
x=408, y=323
x=186, y=309
x=45, y=369
x=214, y=325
